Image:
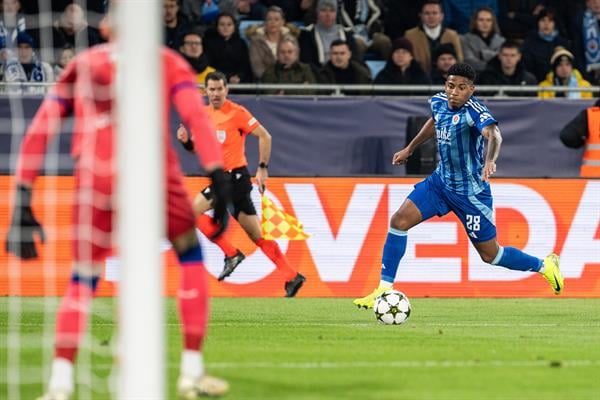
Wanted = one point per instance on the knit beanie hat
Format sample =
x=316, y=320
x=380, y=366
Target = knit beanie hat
x=402, y=43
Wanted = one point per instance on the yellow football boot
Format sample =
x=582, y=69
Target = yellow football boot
x=368, y=301
x=552, y=273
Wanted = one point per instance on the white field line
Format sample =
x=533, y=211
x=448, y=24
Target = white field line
x=34, y=374
x=298, y=324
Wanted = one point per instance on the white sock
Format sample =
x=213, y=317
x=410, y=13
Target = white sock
x=542, y=269
x=385, y=284
x=192, y=364
x=61, y=376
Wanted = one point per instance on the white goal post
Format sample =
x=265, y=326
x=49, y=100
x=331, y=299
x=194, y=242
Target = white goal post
x=140, y=199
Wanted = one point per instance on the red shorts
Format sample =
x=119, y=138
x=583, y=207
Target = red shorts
x=93, y=215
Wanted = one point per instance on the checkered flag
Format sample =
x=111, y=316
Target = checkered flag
x=277, y=224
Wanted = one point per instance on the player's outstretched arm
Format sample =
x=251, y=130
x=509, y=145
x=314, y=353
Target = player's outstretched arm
x=44, y=126
x=264, y=155
x=427, y=132
x=492, y=134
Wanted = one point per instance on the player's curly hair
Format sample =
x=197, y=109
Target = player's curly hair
x=464, y=70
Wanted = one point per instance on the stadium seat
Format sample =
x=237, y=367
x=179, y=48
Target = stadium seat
x=244, y=24
x=375, y=66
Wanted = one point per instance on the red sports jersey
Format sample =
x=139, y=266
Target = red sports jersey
x=85, y=89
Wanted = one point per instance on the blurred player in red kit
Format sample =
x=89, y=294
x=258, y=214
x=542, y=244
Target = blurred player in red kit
x=85, y=90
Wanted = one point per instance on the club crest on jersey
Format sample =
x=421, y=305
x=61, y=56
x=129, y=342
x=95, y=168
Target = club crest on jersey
x=221, y=135
x=455, y=119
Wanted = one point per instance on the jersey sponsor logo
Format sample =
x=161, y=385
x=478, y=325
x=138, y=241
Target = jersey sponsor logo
x=252, y=121
x=484, y=116
x=221, y=135
x=443, y=135
x=455, y=119
x=473, y=235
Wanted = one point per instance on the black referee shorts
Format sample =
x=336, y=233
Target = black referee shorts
x=241, y=186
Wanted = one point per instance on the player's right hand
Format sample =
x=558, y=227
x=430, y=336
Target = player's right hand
x=221, y=187
x=400, y=157
x=23, y=226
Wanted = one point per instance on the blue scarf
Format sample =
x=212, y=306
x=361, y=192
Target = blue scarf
x=14, y=71
x=572, y=83
x=550, y=37
x=591, y=38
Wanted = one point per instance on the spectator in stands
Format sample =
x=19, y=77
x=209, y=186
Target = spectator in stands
x=264, y=39
x=431, y=33
x=176, y=24
x=315, y=40
x=507, y=69
x=399, y=16
x=363, y=18
x=72, y=29
x=566, y=14
x=66, y=55
x=243, y=9
x=401, y=68
x=25, y=66
x=563, y=73
x=341, y=69
x=444, y=57
x=586, y=37
x=293, y=10
x=517, y=18
x=483, y=42
x=227, y=51
x=540, y=44
x=11, y=23
x=192, y=10
x=458, y=14
x=193, y=51
x=288, y=68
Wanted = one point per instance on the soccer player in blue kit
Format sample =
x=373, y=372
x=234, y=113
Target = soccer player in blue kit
x=459, y=184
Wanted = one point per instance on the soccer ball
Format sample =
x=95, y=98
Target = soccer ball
x=392, y=307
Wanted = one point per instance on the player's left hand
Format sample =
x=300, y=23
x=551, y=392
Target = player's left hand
x=182, y=134
x=261, y=178
x=488, y=170
x=23, y=226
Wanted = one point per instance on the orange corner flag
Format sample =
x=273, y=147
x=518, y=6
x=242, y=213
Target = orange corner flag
x=277, y=224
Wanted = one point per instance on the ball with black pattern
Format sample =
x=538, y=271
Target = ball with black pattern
x=392, y=307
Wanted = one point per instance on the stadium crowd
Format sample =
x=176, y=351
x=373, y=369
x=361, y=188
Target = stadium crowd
x=507, y=42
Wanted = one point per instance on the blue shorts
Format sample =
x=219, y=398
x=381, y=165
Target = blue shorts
x=475, y=212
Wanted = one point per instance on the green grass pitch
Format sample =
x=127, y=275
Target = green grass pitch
x=328, y=349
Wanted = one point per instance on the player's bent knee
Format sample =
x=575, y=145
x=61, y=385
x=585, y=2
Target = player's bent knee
x=184, y=242
x=201, y=204
x=88, y=269
x=399, y=221
x=487, y=257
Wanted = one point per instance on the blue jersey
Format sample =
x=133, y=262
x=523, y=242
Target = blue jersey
x=460, y=143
